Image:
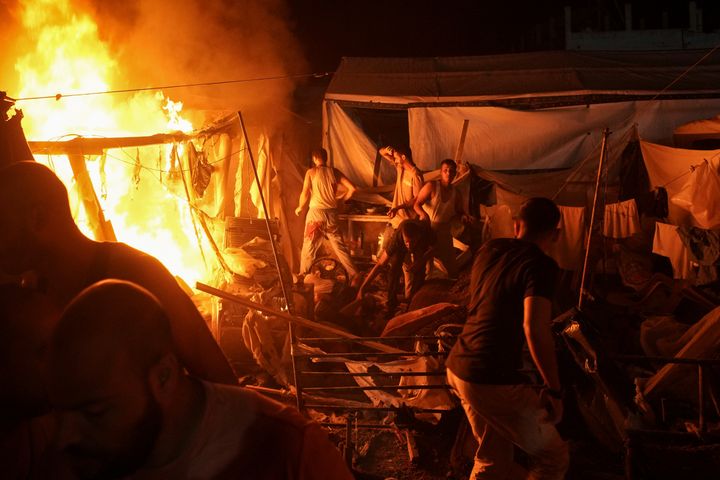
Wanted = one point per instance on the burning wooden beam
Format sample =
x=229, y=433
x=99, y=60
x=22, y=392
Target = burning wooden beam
x=96, y=146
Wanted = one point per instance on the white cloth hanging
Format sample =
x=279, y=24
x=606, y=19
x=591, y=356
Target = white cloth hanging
x=498, y=220
x=568, y=249
x=621, y=219
x=667, y=242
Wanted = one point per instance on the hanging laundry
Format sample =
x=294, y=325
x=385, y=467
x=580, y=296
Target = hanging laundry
x=568, y=249
x=498, y=221
x=704, y=249
x=701, y=195
x=621, y=219
x=667, y=242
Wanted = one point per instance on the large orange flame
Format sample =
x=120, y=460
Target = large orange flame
x=66, y=55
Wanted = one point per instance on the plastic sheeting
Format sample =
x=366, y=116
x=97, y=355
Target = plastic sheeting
x=506, y=139
x=671, y=168
x=350, y=150
x=701, y=195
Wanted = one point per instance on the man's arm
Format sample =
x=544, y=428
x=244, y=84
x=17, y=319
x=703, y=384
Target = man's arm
x=304, y=194
x=536, y=324
x=194, y=344
x=460, y=208
x=373, y=273
x=345, y=182
x=424, y=195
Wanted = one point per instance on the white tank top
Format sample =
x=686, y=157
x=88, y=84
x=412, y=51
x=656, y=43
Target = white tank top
x=438, y=210
x=324, y=186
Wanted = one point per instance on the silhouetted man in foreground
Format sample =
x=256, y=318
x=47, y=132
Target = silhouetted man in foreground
x=26, y=321
x=38, y=234
x=126, y=409
x=511, y=288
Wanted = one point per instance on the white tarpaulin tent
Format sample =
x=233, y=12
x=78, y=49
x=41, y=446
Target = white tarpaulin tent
x=527, y=111
x=692, y=180
x=705, y=131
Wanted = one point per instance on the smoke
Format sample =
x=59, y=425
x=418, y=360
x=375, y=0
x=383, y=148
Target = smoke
x=156, y=43
x=189, y=41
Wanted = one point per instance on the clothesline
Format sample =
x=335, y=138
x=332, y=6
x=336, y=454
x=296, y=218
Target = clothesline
x=689, y=171
x=59, y=96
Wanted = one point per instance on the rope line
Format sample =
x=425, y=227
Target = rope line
x=58, y=96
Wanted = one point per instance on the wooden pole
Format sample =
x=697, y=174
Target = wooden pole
x=294, y=319
x=461, y=143
x=265, y=211
x=102, y=229
x=603, y=154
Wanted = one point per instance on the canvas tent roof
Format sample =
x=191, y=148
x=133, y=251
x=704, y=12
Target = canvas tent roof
x=405, y=81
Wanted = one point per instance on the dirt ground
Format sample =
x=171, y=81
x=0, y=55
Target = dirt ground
x=383, y=454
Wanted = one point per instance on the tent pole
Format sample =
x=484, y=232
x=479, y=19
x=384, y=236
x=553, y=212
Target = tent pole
x=461, y=143
x=603, y=155
x=265, y=211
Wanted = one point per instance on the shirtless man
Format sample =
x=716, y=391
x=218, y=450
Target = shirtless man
x=126, y=409
x=439, y=202
x=408, y=183
x=320, y=190
x=38, y=234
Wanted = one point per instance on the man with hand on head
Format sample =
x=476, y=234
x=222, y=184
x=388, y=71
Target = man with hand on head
x=408, y=183
x=126, y=409
x=511, y=287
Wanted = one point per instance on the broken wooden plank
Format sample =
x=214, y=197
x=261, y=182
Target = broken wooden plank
x=304, y=322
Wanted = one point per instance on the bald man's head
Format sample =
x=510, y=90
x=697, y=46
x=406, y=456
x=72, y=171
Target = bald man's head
x=113, y=317
x=110, y=358
x=26, y=184
x=34, y=211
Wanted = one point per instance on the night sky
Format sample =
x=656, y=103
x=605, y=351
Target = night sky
x=331, y=29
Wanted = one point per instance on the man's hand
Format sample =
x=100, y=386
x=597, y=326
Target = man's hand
x=298, y=211
x=423, y=216
x=553, y=406
x=392, y=212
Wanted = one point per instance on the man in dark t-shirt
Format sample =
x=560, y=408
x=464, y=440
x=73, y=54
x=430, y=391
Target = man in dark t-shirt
x=409, y=251
x=511, y=289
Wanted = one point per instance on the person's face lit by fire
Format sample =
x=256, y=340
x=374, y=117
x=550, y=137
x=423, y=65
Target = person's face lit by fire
x=447, y=173
x=109, y=419
x=398, y=158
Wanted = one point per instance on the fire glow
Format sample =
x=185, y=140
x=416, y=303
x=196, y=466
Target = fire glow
x=133, y=186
